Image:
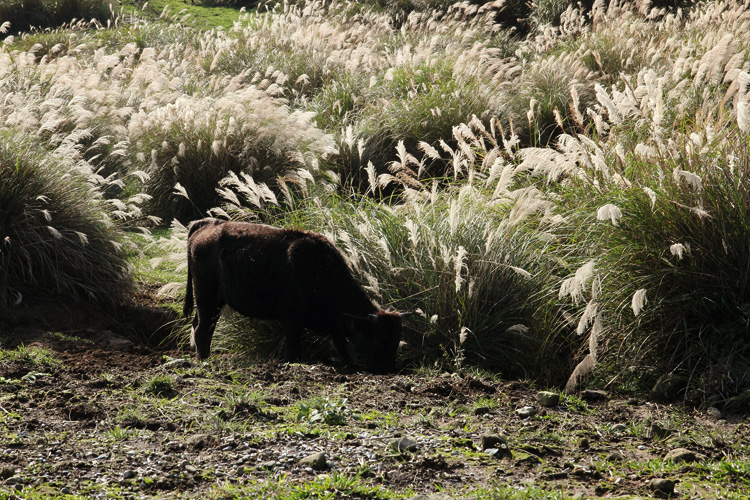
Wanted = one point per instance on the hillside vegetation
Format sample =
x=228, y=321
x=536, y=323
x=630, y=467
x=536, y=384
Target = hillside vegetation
x=560, y=190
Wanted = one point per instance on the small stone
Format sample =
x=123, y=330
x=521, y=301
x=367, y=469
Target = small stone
x=594, y=395
x=404, y=445
x=664, y=486
x=7, y=472
x=681, y=455
x=615, y=456
x=715, y=413
x=624, y=402
x=492, y=441
x=482, y=410
x=659, y=432
x=316, y=461
x=548, y=399
x=584, y=444
x=177, y=363
x=619, y=428
x=65, y=490
x=526, y=412
x=129, y=474
x=502, y=451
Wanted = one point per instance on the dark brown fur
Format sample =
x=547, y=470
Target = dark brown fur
x=297, y=277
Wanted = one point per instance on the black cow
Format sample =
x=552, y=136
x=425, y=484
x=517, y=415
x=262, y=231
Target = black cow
x=297, y=277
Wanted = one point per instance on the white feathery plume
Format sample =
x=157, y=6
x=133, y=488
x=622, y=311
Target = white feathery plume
x=454, y=217
x=639, y=301
x=651, y=195
x=609, y=211
x=413, y=229
x=591, y=311
x=604, y=99
x=460, y=266
x=576, y=284
x=521, y=272
x=180, y=191
x=743, y=101
x=678, y=250
x=691, y=179
x=371, y=177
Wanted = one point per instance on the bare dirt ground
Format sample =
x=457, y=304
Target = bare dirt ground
x=93, y=406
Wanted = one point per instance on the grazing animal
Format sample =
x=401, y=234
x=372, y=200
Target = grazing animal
x=297, y=277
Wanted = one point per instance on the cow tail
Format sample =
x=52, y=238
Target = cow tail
x=187, y=308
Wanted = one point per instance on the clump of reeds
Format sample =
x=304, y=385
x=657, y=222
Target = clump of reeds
x=57, y=234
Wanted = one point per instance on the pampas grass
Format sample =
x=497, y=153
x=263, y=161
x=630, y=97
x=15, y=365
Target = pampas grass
x=57, y=233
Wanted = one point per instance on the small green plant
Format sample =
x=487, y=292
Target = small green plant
x=326, y=411
x=118, y=433
x=575, y=403
x=33, y=355
x=161, y=386
x=67, y=338
x=334, y=485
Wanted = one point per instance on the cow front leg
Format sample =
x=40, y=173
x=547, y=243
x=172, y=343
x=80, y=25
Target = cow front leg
x=340, y=343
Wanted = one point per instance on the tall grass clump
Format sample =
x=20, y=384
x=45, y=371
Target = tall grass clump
x=57, y=237
x=194, y=143
x=657, y=208
x=671, y=248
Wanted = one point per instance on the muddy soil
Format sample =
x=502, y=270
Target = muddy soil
x=94, y=405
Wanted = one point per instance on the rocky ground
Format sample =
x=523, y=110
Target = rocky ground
x=92, y=406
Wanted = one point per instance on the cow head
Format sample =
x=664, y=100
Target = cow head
x=376, y=338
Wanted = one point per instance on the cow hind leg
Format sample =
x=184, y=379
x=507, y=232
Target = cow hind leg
x=340, y=343
x=204, y=325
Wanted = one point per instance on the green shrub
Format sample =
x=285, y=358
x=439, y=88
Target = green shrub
x=56, y=235
x=161, y=386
